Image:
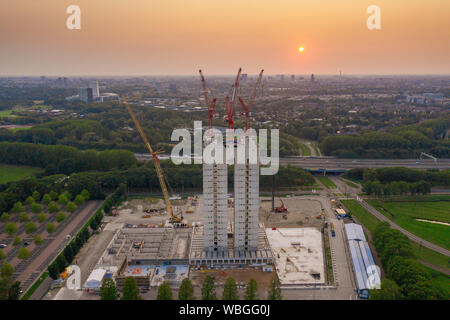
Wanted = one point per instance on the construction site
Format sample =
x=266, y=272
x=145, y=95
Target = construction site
x=225, y=232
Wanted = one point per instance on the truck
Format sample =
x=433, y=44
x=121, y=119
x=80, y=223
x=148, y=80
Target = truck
x=333, y=234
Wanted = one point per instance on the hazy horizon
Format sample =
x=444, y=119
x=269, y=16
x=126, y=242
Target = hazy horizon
x=176, y=38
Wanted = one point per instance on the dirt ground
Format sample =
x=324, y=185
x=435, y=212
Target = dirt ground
x=301, y=213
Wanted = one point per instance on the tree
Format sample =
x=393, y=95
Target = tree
x=11, y=228
x=36, y=196
x=17, y=241
x=7, y=270
x=36, y=207
x=42, y=217
x=209, y=289
x=30, y=227
x=46, y=199
x=79, y=200
x=60, y=216
x=14, y=291
x=38, y=239
x=85, y=194
x=61, y=262
x=29, y=200
x=389, y=291
x=53, y=271
x=230, y=290
x=130, y=289
x=108, y=290
x=23, y=254
x=53, y=207
x=62, y=199
x=5, y=217
x=164, y=292
x=53, y=195
x=250, y=291
x=186, y=291
x=50, y=227
x=18, y=208
x=24, y=217
x=275, y=290
x=2, y=255
x=71, y=207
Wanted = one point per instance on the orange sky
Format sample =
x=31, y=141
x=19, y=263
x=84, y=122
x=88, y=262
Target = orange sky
x=176, y=37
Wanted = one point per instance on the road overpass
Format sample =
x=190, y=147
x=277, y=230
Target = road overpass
x=341, y=165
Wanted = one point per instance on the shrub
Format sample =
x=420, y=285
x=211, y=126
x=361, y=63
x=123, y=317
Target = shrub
x=50, y=227
x=60, y=216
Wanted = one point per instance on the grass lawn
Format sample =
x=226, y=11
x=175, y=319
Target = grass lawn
x=430, y=256
x=327, y=182
x=19, y=129
x=406, y=213
x=7, y=114
x=36, y=285
x=349, y=183
x=10, y=173
x=363, y=216
x=306, y=151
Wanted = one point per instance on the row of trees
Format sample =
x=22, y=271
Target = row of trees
x=64, y=159
x=130, y=290
x=387, y=175
x=9, y=289
x=406, y=278
x=69, y=252
x=403, y=142
x=396, y=188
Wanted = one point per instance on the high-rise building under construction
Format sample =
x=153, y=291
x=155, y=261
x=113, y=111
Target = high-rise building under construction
x=215, y=208
x=246, y=199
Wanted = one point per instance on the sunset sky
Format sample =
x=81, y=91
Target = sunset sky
x=176, y=37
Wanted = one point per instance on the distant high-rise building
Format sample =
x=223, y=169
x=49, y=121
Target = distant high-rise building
x=293, y=77
x=86, y=95
x=95, y=89
x=312, y=77
x=173, y=87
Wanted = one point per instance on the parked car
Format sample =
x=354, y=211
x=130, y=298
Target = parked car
x=2, y=245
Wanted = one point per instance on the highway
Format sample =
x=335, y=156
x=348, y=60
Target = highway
x=330, y=163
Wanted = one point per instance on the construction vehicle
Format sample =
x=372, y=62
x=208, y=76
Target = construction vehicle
x=281, y=208
x=173, y=219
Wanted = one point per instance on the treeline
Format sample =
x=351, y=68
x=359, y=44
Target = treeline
x=64, y=159
x=410, y=279
x=388, y=175
x=65, y=258
x=396, y=188
x=404, y=142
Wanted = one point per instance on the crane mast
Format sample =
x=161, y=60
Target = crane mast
x=158, y=168
x=209, y=104
x=248, y=107
x=229, y=103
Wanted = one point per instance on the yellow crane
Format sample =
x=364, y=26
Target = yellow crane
x=159, y=172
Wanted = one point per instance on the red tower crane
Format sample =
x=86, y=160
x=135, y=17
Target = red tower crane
x=209, y=104
x=229, y=104
x=249, y=106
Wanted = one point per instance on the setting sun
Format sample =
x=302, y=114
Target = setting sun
x=301, y=49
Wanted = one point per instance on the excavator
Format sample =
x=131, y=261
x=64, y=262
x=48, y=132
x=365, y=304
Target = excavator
x=282, y=208
x=174, y=220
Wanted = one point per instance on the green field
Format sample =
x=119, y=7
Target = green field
x=7, y=114
x=439, y=281
x=364, y=217
x=430, y=256
x=349, y=183
x=406, y=213
x=10, y=173
x=327, y=182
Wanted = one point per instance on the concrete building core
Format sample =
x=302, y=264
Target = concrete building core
x=215, y=221
x=246, y=198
